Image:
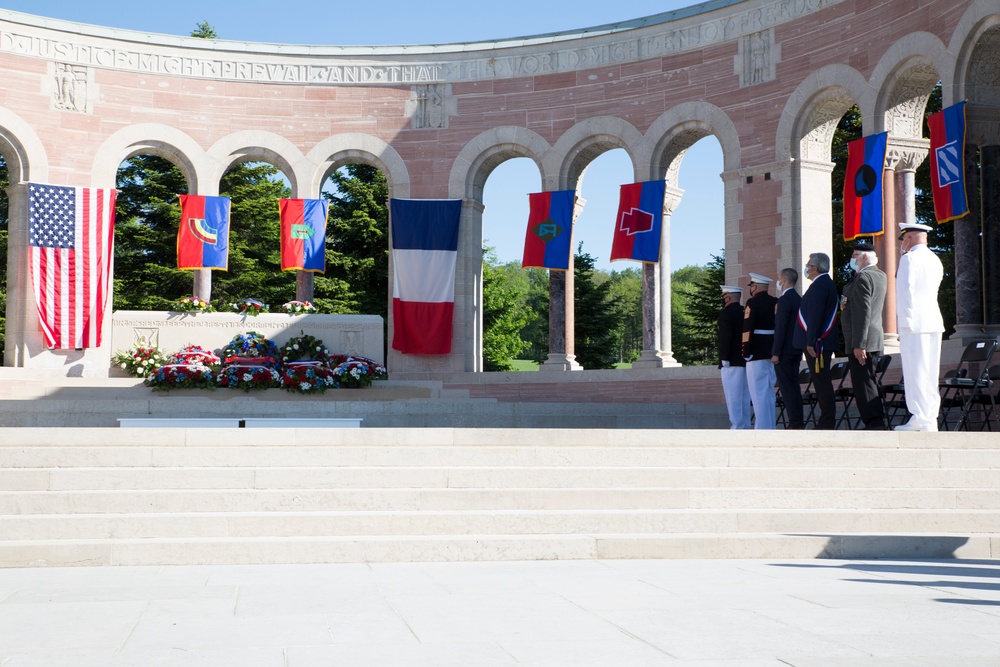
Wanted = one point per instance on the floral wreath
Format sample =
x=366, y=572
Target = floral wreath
x=195, y=354
x=140, y=360
x=193, y=304
x=251, y=307
x=304, y=347
x=359, y=371
x=238, y=376
x=250, y=347
x=180, y=376
x=298, y=307
x=307, y=379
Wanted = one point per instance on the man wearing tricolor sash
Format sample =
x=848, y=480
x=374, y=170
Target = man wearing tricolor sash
x=817, y=334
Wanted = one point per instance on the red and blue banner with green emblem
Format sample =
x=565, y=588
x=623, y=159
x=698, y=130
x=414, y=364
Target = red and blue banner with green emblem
x=203, y=235
x=948, y=162
x=303, y=234
x=863, y=186
x=639, y=224
x=549, y=238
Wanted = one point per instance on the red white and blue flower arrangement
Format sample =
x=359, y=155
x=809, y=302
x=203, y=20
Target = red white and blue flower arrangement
x=298, y=307
x=306, y=365
x=251, y=307
x=188, y=368
x=250, y=361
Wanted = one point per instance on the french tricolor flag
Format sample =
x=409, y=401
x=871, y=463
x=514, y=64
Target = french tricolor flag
x=424, y=256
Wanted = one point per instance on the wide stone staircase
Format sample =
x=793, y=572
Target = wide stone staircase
x=107, y=496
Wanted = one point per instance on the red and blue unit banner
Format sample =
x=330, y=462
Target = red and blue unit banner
x=424, y=257
x=548, y=240
x=303, y=234
x=863, y=186
x=639, y=224
x=203, y=235
x=948, y=162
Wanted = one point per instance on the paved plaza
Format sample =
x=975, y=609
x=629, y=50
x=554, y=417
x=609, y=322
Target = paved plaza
x=694, y=612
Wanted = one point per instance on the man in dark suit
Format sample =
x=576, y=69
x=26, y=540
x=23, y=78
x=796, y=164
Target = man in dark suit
x=816, y=333
x=731, y=363
x=784, y=355
x=861, y=319
x=758, y=338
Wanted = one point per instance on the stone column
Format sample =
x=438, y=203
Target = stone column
x=562, y=347
x=657, y=349
x=21, y=311
x=469, y=284
x=904, y=155
x=989, y=156
x=304, y=285
x=885, y=247
x=968, y=295
x=202, y=278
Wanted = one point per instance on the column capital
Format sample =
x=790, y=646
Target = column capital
x=906, y=153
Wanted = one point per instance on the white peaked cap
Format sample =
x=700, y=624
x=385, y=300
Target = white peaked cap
x=731, y=288
x=759, y=279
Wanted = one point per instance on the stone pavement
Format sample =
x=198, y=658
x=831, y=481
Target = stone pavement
x=693, y=612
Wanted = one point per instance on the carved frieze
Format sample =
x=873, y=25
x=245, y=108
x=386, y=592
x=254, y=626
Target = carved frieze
x=429, y=106
x=757, y=57
x=69, y=91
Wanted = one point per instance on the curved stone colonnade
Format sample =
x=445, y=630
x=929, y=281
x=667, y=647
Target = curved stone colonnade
x=769, y=79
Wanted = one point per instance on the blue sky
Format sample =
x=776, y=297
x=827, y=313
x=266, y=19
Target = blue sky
x=697, y=224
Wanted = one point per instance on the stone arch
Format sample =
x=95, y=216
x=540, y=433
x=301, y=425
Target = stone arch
x=484, y=153
x=980, y=18
x=336, y=151
x=675, y=131
x=905, y=77
x=585, y=141
x=151, y=139
x=811, y=113
x=803, y=145
x=22, y=149
x=258, y=146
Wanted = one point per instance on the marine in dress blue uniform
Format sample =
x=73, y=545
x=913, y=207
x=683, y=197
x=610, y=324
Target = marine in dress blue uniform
x=731, y=364
x=758, y=339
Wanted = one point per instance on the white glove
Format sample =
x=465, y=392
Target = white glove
x=725, y=364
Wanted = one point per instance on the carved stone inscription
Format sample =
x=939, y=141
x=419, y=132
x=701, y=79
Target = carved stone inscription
x=330, y=66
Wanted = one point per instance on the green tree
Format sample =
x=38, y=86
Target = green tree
x=694, y=323
x=625, y=294
x=596, y=343
x=357, y=255
x=204, y=30
x=502, y=319
x=146, y=222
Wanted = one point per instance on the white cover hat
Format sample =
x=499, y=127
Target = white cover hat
x=731, y=288
x=759, y=279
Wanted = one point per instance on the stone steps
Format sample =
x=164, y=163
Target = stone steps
x=190, y=496
x=406, y=500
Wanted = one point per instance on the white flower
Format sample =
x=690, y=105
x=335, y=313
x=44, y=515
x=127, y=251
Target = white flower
x=247, y=377
x=124, y=367
x=295, y=347
x=305, y=386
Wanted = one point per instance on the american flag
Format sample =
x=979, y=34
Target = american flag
x=71, y=235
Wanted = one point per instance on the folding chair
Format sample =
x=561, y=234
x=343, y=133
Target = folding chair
x=986, y=401
x=847, y=393
x=959, y=392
